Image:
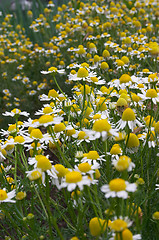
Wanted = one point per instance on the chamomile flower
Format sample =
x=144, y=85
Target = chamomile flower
x=150, y=94
x=53, y=70
x=15, y=112
x=128, y=118
x=102, y=128
x=43, y=163
x=123, y=163
x=7, y=197
x=118, y=188
x=75, y=179
x=125, y=235
x=120, y=224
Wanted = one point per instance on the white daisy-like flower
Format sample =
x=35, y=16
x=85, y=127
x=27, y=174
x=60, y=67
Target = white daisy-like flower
x=44, y=164
x=122, y=163
x=150, y=94
x=15, y=112
x=7, y=197
x=92, y=157
x=128, y=117
x=81, y=136
x=102, y=128
x=82, y=74
x=86, y=168
x=75, y=179
x=118, y=188
x=53, y=70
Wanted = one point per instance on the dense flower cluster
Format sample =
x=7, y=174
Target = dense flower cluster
x=97, y=145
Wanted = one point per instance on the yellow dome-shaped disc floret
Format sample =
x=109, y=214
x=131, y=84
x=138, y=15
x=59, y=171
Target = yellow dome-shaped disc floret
x=118, y=225
x=73, y=177
x=91, y=155
x=116, y=149
x=151, y=93
x=44, y=163
x=36, y=133
x=157, y=127
x=132, y=141
x=123, y=163
x=125, y=78
x=36, y=174
x=61, y=170
x=121, y=102
x=125, y=235
x=3, y=195
x=52, y=93
x=82, y=73
x=59, y=127
x=128, y=115
x=47, y=110
x=117, y=185
x=45, y=119
x=97, y=226
x=101, y=125
x=19, y=139
x=84, y=167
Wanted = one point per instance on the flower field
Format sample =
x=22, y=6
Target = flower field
x=79, y=120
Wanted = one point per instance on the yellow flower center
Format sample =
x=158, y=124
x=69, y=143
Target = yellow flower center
x=59, y=127
x=97, y=226
x=52, y=69
x=20, y=195
x=36, y=133
x=101, y=125
x=81, y=135
x=86, y=89
x=128, y=115
x=84, y=167
x=104, y=65
x=97, y=116
x=123, y=163
x=118, y=225
x=73, y=177
x=34, y=175
x=157, y=127
x=117, y=185
x=47, y=110
x=125, y=78
x=16, y=111
x=53, y=93
x=61, y=170
x=44, y=163
x=133, y=141
x=126, y=235
x=12, y=128
x=156, y=216
x=151, y=93
x=3, y=195
x=121, y=102
x=115, y=149
x=70, y=132
x=94, y=79
x=19, y=139
x=92, y=155
x=45, y=119
x=82, y=73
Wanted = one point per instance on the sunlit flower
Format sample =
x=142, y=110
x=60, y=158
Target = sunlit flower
x=118, y=188
x=16, y=112
x=128, y=118
x=75, y=179
x=7, y=197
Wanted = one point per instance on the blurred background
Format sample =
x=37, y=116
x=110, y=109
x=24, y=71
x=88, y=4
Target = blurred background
x=26, y=4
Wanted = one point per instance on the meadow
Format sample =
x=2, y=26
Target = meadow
x=79, y=119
